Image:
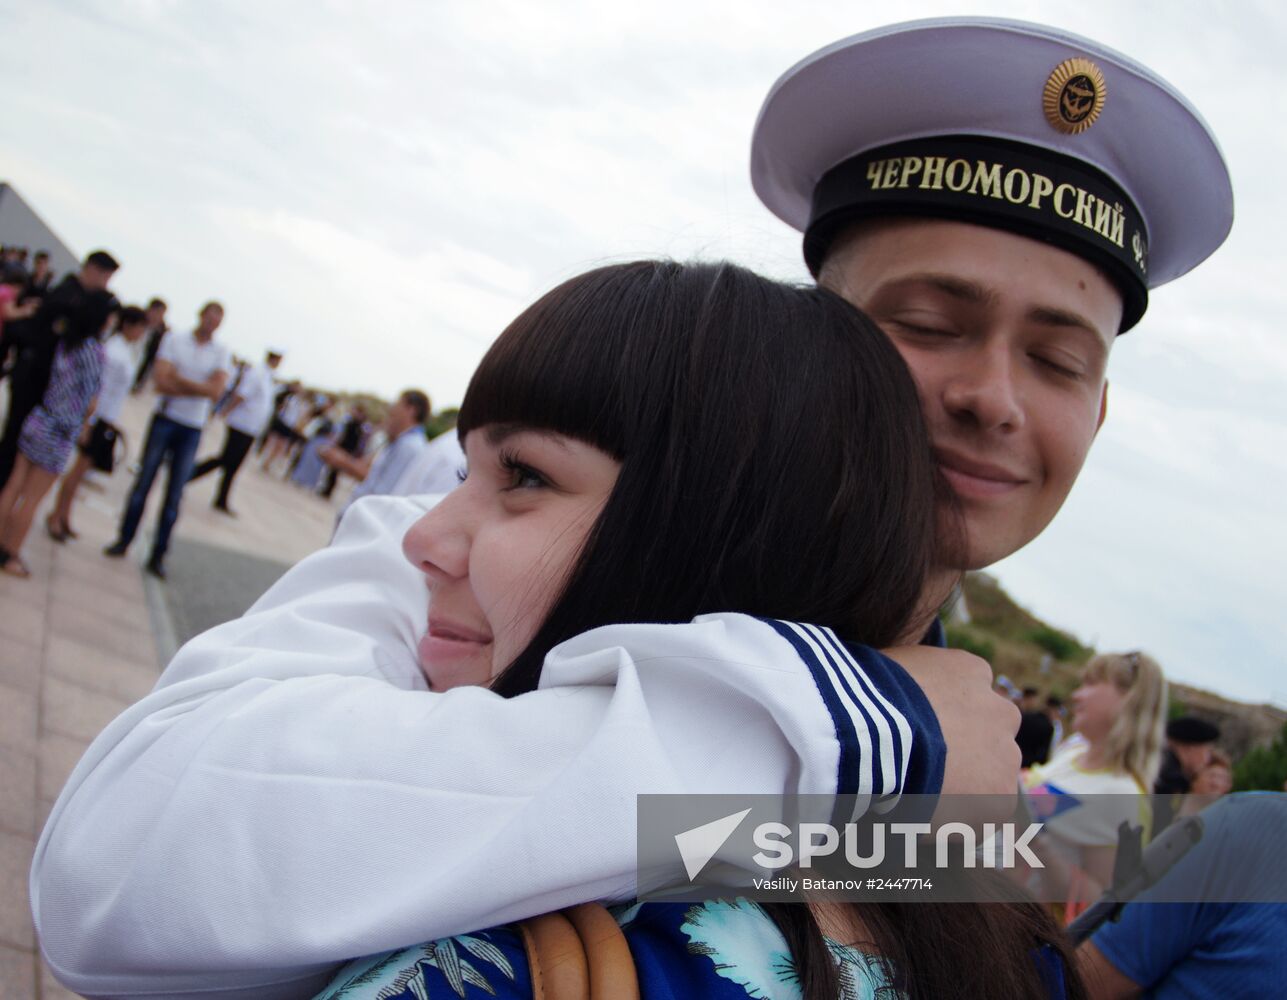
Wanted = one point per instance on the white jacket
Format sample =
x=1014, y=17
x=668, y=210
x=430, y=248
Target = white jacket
x=290, y=795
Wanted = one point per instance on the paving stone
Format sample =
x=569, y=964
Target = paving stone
x=51, y=988
x=72, y=710
x=99, y=670
x=15, y=863
x=131, y=643
x=17, y=973
x=116, y=599
x=22, y=610
x=17, y=719
x=18, y=792
x=20, y=664
x=54, y=762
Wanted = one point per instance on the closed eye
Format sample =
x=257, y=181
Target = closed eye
x=922, y=331
x=1054, y=366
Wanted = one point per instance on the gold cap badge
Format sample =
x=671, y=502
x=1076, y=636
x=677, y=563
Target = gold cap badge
x=1074, y=96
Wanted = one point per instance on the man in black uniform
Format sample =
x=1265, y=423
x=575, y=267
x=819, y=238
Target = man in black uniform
x=156, y=329
x=80, y=302
x=351, y=437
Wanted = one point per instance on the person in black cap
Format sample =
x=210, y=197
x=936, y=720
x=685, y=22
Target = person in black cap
x=1189, y=744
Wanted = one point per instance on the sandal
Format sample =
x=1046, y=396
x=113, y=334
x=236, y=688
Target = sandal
x=14, y=566
x=58, y=535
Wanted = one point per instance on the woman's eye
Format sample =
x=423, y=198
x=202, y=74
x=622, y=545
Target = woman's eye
x=522, y=476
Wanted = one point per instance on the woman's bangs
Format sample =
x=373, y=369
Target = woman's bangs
x=562, y=365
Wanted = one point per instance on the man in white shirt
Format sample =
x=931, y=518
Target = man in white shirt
x=405, y=434
x=246, y=415
x=437, y=469
x=191, y=372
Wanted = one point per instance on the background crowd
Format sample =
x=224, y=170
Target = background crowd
x=72, y=352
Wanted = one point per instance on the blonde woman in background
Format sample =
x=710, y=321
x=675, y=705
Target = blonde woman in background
x=1095, y=782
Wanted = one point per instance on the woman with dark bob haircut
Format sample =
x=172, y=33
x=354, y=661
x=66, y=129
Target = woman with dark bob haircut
x=719, y=443
x=697, y=502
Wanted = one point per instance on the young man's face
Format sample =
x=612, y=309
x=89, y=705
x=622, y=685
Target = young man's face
x=209, y=319
x=1008, y=339
x=95, y=279
x=401, y=416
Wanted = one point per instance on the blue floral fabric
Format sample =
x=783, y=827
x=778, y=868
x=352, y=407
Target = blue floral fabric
x=718, y=950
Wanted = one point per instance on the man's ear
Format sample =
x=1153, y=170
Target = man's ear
x=1103, y=407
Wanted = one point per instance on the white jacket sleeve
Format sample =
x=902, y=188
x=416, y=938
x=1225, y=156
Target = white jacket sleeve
x=290, y=795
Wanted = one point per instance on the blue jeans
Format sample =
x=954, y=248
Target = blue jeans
x=175, y=444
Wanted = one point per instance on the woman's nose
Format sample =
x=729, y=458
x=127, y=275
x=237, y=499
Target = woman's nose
x=438, y=543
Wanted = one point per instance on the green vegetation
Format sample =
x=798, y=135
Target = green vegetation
x=972, y=641
x=441, y=421
x=1058, y=644
x=1263, y=768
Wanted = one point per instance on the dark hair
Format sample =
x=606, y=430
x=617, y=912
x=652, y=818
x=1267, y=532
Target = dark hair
x=132, y=316
x=156, y=302
x=774, y=462
x=212, y=304
x=774, y=458
x=41, y=255
x=418, y=402
x=90, y=318
x=102, y=260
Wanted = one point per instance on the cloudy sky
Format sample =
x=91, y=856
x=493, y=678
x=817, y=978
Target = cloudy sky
x=379, y=188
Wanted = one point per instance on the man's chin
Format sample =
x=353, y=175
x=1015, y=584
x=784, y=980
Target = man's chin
x=981, y=549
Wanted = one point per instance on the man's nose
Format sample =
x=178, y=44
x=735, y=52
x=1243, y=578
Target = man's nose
x=982, y=391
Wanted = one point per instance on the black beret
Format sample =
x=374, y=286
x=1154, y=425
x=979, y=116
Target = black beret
x=1192, y=730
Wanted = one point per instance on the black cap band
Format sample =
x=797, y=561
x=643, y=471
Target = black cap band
x=990, y=182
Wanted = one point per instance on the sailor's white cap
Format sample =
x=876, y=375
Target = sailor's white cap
x=1003, y=123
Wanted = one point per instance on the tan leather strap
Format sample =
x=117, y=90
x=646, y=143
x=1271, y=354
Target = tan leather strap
x=612, y=967
x=579, y=954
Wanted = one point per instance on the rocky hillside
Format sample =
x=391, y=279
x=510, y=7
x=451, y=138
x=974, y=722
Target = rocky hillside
x=1034, y=654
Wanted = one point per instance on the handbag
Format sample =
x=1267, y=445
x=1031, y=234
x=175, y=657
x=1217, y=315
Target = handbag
x=101, y=448
x=579, y=953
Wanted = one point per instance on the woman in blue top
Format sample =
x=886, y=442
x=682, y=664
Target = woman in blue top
x=651, y=442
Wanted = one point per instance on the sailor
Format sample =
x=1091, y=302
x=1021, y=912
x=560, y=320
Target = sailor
x=999, y=196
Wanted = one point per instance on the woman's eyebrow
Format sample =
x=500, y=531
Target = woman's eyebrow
x=498, y=434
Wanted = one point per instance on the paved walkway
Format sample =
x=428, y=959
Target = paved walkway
x=86, y=635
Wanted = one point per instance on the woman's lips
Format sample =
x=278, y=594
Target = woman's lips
x=441, y=629
x=445, y=644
